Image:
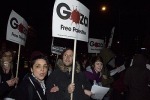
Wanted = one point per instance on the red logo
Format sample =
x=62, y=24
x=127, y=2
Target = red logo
x=75, y=16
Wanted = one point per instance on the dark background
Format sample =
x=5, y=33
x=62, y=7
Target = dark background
x=131, y=19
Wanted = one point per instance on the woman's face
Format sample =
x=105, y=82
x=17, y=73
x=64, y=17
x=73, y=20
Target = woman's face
x=98, y=65
x=6, y=65
x=39, y=69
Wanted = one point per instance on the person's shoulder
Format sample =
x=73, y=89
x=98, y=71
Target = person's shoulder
x=88, y=72
x=56, y=71
x=25, y=82
x=82, y=74
x=23, y=87
x=54, y=74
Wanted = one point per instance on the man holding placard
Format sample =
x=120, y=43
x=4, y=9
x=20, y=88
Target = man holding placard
x=59, y=86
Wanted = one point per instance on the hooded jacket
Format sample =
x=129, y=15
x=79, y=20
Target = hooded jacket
x=107, y=55
x=137, y=79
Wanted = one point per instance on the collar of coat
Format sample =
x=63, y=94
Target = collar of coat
x=64, y=68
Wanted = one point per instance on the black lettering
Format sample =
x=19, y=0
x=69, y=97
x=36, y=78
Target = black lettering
x=67, y=13
x=86, y=21
x=82, y=18
x=92, y=43
x=14, y=23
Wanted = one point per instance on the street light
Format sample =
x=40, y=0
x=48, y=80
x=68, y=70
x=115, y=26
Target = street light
x=103, y=8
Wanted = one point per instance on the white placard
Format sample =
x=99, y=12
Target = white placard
x=57, y=49
x=121, y=68
x=117, y=70
x=70, y=20
x=16, y=29
x=95, y=45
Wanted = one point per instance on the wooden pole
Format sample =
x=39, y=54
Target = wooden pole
x=73, y=68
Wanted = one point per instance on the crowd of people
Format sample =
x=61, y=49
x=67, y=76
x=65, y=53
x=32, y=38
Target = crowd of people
x=46, y=81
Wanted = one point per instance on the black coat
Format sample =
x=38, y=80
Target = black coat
x=26, y=90
x=5, y=89
x=62, y=80
x=137, y=78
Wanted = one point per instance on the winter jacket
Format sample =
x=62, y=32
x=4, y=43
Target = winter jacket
x=93, y=76
x=29, y=89
x=61, y=77
x=137, y=79
x=4, y=87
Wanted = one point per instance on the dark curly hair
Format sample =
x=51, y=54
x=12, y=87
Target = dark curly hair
x=32, y=62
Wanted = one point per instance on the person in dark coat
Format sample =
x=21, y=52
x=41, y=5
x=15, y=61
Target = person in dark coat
x=137, y=79
x=108, y=64
x=58, y=84
x=7, y=80
x=119, y=89
x=6, y=86
x=33, y=87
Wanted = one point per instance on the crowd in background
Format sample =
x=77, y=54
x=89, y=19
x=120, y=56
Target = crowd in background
x=42, y=78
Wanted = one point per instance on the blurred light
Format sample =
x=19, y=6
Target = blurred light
x=103, y=8
x=14, y=52
x=118, y=42
x=143, y=48
x=29, y=26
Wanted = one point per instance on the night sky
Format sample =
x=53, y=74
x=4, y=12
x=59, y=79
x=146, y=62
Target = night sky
x=130, y=18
